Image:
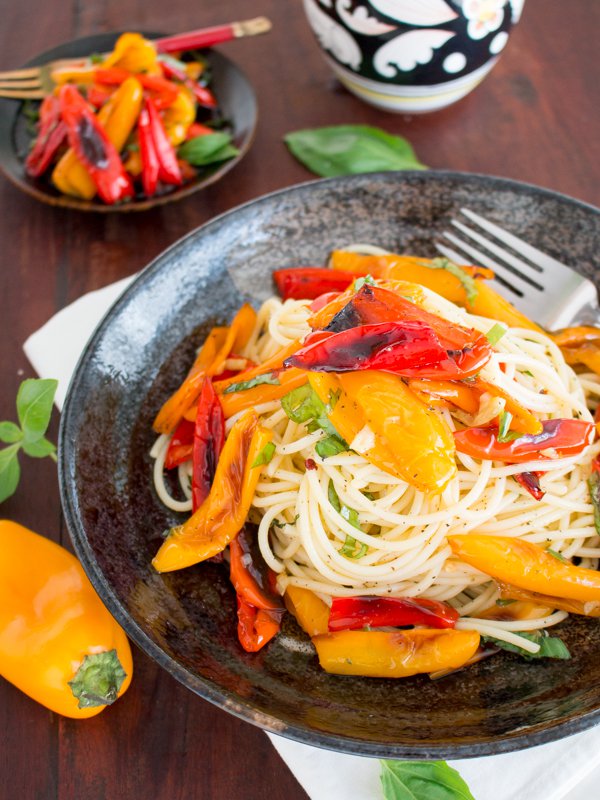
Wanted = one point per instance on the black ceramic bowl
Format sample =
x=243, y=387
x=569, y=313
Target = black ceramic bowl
x=186, y=620
x=234, y=93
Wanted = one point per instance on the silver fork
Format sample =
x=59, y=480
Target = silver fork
x=544, y=289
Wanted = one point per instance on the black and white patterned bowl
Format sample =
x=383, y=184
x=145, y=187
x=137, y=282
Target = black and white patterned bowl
x=412, y=55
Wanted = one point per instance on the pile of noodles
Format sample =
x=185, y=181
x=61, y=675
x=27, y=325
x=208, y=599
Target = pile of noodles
x=403, y=530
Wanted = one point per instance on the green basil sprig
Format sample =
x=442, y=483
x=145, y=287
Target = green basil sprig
x=208, y=149
x=422, y=780
x=348, y=149
x=34, y=408
x=550, y=646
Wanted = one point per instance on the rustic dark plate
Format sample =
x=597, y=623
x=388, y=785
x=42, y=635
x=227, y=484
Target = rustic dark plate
x=186, y=620
x=237, y=102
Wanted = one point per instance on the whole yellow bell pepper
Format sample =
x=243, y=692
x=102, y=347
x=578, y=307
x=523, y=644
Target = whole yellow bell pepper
x=219, y=519
x=527, y=566
x=118, y=117
x=58, y=643
x=396, y=654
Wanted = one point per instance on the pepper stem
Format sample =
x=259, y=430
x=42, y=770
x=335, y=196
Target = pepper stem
x=98, y=679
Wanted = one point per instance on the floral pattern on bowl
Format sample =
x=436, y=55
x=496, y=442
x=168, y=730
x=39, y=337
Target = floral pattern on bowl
x=412, y=55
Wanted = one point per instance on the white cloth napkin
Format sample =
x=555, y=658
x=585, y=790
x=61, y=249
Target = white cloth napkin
x=564, y=770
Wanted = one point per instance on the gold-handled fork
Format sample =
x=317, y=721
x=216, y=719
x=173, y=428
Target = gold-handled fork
x=34, y=83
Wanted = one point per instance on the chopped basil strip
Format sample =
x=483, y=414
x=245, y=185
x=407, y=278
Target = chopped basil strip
x=331, y=446
x=350, y=515
x=556, y=555
x=333, y=398
x=279, y=524
x=550, y=646
x=360, y=282
x=594, y=487
x=467, y=282
x=265, y=455
x=495, y=333
x=267, y=377
x=349, y=550
x=507, y=602
x=504, y=432
x=422, y=780
x=304, y=406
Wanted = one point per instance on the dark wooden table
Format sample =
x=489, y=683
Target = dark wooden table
x=535, y=119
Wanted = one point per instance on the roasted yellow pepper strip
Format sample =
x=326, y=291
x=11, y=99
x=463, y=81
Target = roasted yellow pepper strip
x=519, y=610
x=179, y=116
x=526, y=566
x=215, y=351
x=399, y=654
x=311, y=612
x=419, y=440
x=223, y=513
x=118, y=117
x=487, y=303
x=134, y=53
x=50, y=620
x=589, y=608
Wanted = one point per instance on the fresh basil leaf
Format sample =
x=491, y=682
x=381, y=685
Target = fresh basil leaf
x=9, y=432
x=360, y=282
x=594, y=487
x=34, y=406
x=303, y=405
x=267, y=377
x=550, y=646
x=467, y=281
x=40, y=448
x=331, y=446
x=557, y=556
x=495, y=333
x=422, y=780
x=349, y=149
x=265, y=455
x=10, y=471
x=208, y=149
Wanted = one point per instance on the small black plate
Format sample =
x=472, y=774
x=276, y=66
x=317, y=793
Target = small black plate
x=186, y=620
x=235, y=95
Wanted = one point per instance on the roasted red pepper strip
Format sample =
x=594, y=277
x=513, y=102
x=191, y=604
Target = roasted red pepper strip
x=209, y=437
x=150, y=164
x=256, y=626
x=204, y=96
x=565, y=437
x=352, y=613
x=164, y=92
x=406, y=348
x=181, y=445
x=168, y=168
x=93, y=147
x=531, y=482
x=322, y=300
x=246, y=578
x=308, y=283
x=52, y=132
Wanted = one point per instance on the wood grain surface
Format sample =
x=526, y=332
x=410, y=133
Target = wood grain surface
x=534, y=119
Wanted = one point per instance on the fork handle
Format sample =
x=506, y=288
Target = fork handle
x=207, y=37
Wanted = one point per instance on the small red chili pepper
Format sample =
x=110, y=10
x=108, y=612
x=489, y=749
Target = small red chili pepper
x=209, y=437
x=93, y=147
x=164, y=92
x=352, y=613
x=52, y=133
x=307, y=283
x=566, y=437
x=203, y=96
x=410, y=349
x=256, y=626
x=181, y=445
x=531, y=482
